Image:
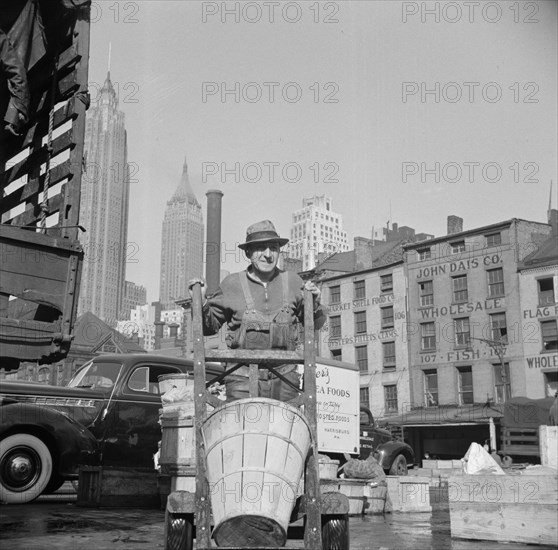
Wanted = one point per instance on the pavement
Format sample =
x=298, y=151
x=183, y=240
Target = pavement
x=55, y=522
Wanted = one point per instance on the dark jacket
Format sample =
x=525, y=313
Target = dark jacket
x=228, y=305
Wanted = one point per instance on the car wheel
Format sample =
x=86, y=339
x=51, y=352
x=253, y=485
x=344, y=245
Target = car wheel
x=335, y=532
x=25, y=468
x=399, y=466
x=179, y=531
x=54, y=483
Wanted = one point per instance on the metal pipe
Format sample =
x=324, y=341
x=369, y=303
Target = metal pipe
x=213, y=240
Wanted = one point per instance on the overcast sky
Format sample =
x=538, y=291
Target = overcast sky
x=400, y=111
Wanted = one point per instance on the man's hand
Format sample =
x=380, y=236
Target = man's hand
x=192, y=282
x=309, y=285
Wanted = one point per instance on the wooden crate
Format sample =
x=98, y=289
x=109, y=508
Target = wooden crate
x=504, y=508
x=353, y=489
x=548, y=437
x=375, y=498
x=118, y=487
x=520, y=441
x=408, y=493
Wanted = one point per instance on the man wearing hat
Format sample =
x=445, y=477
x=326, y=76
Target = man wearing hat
x=261, y=306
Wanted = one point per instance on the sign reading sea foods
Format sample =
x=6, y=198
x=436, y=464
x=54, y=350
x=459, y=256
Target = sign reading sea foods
x=337, y=389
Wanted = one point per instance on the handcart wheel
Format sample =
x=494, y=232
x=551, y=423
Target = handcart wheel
x=335, y=532
x=179, y=531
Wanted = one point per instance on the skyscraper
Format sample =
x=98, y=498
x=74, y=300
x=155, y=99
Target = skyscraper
x=181, y=243
x=316, y=229
x=104, y=208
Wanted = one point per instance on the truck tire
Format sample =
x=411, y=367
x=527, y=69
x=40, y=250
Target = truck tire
x=25, y=468
x=399, y=466
x=179, y=531
x=335, y=532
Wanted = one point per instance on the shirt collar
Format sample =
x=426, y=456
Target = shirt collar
x=252, y=277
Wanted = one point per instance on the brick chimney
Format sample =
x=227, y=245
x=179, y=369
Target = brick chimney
x=158, y=333
x=553, y=220
x=173, y=330
x=455, y=225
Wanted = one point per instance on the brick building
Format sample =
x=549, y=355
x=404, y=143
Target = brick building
x=366, y=325
x=465, y=330
x=538, y=285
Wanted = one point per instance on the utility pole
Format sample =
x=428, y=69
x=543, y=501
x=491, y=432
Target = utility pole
x=499, y=348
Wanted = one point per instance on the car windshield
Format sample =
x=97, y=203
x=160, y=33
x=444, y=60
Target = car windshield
x=96, y=375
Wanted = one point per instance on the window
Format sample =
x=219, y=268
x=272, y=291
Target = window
x=389, y=354
x=462, y=332
x=428, y=336
x=457, y=247
x=365, y=397
x=465, y=385
x=424, y=254
x=426, y=291
x=502, y=383
x=494, y=239
x=549, y=332
x=551, y=383
x=335, y=327
x=361, y=353
x=334, y=294
x=495, y=282
x=359, y=290
x=546, y=291
x=459, y=285
x=360, y=322
x=386, y=283
x=390, y=398
x=498, y=328
x=336, y=354
x=387, y=317
x=431, y=388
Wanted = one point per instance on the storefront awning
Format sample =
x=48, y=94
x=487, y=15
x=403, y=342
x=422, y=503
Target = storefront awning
x=446, y=415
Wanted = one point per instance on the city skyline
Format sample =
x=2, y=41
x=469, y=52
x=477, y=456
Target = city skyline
x=395, y=121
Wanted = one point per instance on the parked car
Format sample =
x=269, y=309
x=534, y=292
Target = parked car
x=107, y=414
x=394, y=456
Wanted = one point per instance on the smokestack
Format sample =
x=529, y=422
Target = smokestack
x=213, y=240
x=455, y=225
x=158, y=333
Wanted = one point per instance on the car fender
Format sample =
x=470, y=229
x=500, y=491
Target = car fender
x=386, y=453
x=70, y=442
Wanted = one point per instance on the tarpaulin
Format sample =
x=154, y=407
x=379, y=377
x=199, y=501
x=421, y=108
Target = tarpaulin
x=526, y=413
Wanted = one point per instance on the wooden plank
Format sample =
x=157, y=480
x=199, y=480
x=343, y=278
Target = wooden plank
x=31, y=214
x=548, y=436
x=27, y=165
x=524, y=489
x=262, y=357
x=523, y=523
x=61, y=116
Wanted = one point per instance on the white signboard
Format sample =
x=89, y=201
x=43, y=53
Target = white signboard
x=337, y=388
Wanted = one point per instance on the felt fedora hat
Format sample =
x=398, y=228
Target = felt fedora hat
x=262, y=232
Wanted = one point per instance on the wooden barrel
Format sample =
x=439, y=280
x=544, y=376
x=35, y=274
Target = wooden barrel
x=255, y=450
x=177, y=455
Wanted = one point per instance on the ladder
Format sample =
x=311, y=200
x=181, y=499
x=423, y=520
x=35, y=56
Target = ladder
x=325, y=516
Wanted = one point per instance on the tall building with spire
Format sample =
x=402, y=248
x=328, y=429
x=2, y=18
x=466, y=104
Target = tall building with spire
x=316, y=230
x=104, y=208
x=181, y=243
